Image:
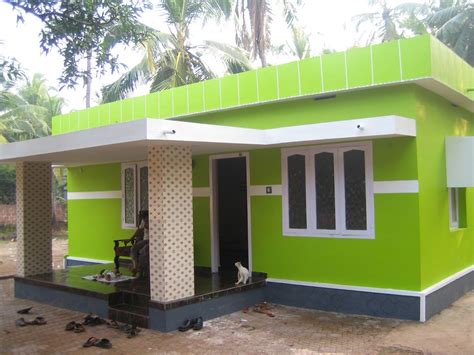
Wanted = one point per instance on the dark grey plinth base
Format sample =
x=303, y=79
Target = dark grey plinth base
x=170, y=319
x=72, y=262
x=344, y=301
x=442, y=298
x=62, y=299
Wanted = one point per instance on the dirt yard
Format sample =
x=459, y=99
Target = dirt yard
x=8, y=255
x=292, y=330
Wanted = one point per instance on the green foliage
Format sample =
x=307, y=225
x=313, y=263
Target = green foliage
x=452, y=22
x=387, y=23
x=27, y=113
x=10, y=72
x=172, y=59
x=7, y=185
x=78, y=28
x=60, y=185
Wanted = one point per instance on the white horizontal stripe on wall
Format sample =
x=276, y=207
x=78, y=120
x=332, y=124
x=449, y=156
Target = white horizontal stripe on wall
x=255, y=190
x=261, y=190
x=396, y=187
x=94, y=195
x=201, y=191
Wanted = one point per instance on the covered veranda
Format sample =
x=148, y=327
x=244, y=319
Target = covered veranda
x=168, y=147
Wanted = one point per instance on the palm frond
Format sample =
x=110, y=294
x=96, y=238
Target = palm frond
x=235, y=59
x=439, y=18
x=127, y=82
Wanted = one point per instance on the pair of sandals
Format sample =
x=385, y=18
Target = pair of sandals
x=195, y=324
x=130, y=330
x=75, y=327
x=24, y=310
x=93, y=320
x=103, y=343
x=37, y=321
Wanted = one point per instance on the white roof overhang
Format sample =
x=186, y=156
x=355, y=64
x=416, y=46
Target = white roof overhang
x=129, y=141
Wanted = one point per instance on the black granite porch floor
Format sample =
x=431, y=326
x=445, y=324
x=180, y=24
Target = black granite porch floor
x=207, y=284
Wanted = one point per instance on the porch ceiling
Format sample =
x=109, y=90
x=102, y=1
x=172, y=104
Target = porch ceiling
x=129, y=141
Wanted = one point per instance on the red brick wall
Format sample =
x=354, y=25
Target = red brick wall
x=8, y=214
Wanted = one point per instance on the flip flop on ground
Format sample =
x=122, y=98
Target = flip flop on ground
x=100, y=343
x=24, y=310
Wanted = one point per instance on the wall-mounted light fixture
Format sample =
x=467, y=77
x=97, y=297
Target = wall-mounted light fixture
x=324, y=97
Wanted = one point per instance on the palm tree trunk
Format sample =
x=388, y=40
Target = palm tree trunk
x=88, y=79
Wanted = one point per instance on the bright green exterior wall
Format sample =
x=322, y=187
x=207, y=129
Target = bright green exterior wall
x=443, y=252
x=390, y=261
x=413, y=247
x=451, y=69
x=397, y=100
x=375, y=263
x=94, y=224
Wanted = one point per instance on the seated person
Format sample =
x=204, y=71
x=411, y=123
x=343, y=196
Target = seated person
x=140, y=247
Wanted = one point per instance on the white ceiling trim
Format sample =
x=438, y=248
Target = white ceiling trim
x=129, y=141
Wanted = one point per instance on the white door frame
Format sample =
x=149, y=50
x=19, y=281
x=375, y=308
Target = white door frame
x=215, y=257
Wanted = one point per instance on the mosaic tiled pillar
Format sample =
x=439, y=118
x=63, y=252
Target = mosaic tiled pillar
x=171, y=222
x=33, y=221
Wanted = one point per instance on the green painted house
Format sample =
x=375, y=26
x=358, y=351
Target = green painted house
x=347, y=178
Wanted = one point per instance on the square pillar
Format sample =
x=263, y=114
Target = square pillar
x=170, y=206
x=33, y=218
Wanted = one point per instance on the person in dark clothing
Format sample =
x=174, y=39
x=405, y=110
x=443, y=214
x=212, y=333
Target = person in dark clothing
x=139, y=251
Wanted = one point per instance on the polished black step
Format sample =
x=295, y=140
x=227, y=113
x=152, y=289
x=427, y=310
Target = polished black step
x=134, y=299
x=125, y=313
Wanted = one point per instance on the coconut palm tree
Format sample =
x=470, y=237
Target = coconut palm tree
x=300, y=45
x=253, y=19
x=452, y=22
x=27, y=113
x=172, y=59
x=388, y=23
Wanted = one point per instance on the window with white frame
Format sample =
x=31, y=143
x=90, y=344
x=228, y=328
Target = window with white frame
x=328, y=191
x=134, y=192
x=454, y=207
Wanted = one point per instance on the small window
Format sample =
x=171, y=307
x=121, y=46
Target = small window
x=297, y=191
x=354, y=190
x=129, y=211
x=134, y=192
x=457, y=208
x=325, y=191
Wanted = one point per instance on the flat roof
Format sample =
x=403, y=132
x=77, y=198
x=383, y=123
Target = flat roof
x=422, y=60
x=129, y=141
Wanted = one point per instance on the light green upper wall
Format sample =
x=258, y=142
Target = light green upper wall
x=392, y=100
x=104, y=177
x=443, y=252
x=451, y=69
x=390, y=62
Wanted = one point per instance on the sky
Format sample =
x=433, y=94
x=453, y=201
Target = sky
x=328, y=22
